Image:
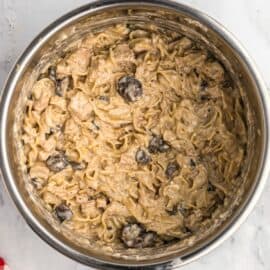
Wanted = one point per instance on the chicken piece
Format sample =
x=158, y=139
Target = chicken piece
x=124, y=57
x=214, y=70
x=59, y=102
x=71, y=128
x=80, y=106
x=79, y=61
x=42, y=91
x=39, y=170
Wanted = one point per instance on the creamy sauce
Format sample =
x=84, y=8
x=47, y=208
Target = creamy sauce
x=134, y=138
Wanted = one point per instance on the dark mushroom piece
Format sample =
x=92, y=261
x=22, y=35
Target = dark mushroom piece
x=105, y=99
x=210, y=187
x=129, y=88
x=142, y=157
x=172, y=169
x=52, y=73
x=78, y=165
x=173, y=211
x=196, y=72
x=227, y=83
x=186, y=230
x=134, y=236
x=57, y=162
x=47, y=135
x=63, y=212
x=38, y=183
x=153, y=146
x=131, y=235
x=52, y=131
x=149, y=239
x=164, y=147
x=183, y=210
x=204, y=98
x=210, y=57
x=203, y=85
x=192, y=163
x=95, y=127
x=42, y=76
x=157, y=144
x=62, y=86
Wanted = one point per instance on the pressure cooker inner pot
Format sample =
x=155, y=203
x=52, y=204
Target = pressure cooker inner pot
x=61, y=39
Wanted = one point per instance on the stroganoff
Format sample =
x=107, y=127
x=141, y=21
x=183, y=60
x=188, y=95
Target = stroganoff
x=134, y=137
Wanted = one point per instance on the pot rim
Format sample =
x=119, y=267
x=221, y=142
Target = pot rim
x=60, y=23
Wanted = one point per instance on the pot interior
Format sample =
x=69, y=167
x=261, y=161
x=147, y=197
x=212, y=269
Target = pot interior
x=52, y=42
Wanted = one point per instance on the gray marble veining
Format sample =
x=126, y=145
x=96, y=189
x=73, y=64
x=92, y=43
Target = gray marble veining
x=249, y=248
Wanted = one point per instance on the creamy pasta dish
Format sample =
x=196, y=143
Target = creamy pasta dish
x=134, y=137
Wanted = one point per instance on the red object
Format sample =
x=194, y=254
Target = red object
x=2, y=264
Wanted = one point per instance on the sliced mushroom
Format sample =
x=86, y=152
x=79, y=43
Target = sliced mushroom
x=134, y=236
x=104, y=98
x=203, y=85
x=164, y=147
x=204, y=98
x=62, y=86
x=57, y=162
x=142, y=157
x=52, y=131
x=42, y=76
x=78, y=165
x=154, y=144
x=185, y=212
x=129, y=88
x=172, y=169
x=192, y=163
x=210, y=187
x=63, y=212
x=52, y=73
x=38, y=183
x=47, y=135
x=172, y=211
x=131, y=235
x=227, y=83
x=157, y=144
x=95, y=126
x=149, y=239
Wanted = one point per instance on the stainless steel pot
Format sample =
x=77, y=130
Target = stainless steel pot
x=168, y=15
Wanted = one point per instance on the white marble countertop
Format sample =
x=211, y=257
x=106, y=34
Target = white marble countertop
x=249, y=248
